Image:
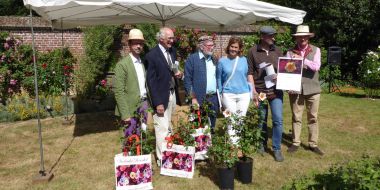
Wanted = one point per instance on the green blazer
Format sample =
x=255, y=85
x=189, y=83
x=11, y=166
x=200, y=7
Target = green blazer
x=126, y=88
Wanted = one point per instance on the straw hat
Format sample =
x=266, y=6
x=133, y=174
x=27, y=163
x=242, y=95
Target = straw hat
x=303, y=30
x=135, y=34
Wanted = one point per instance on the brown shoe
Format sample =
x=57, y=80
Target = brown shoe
x=316, y=150
x=293, y=149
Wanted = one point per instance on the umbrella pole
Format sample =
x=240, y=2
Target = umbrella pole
x=221, y=40
x=42, y=175
x=66, y=120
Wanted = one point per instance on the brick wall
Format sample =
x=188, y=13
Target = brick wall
x=47, y=38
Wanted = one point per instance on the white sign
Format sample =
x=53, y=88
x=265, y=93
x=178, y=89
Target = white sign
x=289, y=75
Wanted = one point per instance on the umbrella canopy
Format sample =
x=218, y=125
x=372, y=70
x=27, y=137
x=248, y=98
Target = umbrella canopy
x=206, y=14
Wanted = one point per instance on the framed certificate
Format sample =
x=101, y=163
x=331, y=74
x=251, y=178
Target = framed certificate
x=289, y=74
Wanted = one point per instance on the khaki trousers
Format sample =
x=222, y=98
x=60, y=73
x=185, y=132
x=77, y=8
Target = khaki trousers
x=297, y=104
x=162, y=125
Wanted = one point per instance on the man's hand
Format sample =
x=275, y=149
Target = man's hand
x=126, y=121
x=160, y=110
x=178, y=75
x=274, y=78
x=194, y=101
x=296, y=56
x=255, y=96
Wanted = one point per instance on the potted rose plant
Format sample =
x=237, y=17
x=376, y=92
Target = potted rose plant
x=249, y=135
x=223, y=153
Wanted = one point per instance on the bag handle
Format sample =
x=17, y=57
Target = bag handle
x=137, y=140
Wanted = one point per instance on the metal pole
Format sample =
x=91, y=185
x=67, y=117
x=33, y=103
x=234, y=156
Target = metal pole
x=42, y=168
x=64, y=76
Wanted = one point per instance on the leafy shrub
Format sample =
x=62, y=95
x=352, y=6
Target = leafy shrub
x=187, y=41
x=53, y=69
x=24, y=107
x=15, y=65
x=17, y=70
x=370, y=73
x=149, y=31
x=284, y=39
x=359, y=174
x=98, y=59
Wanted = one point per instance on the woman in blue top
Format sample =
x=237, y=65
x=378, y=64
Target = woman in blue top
x=231, y=75
x=232, y=79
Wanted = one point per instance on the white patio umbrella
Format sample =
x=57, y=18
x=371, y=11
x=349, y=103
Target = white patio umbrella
x=206, y=14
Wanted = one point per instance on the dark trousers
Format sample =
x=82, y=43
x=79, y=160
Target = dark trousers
x=213, y=99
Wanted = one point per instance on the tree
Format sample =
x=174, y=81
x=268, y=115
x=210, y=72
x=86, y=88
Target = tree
x=13, y=8
x=350, y=24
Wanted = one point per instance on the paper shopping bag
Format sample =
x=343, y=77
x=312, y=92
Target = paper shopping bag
x=202, y=137
x=177, y=160
x=133, y=172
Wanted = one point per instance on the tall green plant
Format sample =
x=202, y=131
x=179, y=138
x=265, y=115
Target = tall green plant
x=99, y=57
x=249, y=132
x=223, y=152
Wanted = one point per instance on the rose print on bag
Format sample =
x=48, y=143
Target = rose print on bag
x=133, y=174
x=177, y=161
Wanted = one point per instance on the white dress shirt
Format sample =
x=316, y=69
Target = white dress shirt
x=139, y=68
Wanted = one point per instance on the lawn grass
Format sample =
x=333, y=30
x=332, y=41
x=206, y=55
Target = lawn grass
x=81, y=155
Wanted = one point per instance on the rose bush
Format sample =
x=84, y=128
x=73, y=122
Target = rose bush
x=370, y=72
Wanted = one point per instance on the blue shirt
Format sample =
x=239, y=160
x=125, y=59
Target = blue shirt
x=210, y=71
x=238, y=84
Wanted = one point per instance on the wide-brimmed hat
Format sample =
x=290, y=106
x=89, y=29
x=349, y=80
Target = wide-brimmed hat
x=136, y=34
x=303, y=30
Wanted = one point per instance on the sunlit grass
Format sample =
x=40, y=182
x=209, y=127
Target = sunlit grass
x=81, y=155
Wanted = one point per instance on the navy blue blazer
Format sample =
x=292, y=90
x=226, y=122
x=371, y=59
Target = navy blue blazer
x=196, y=77
x=158, y=76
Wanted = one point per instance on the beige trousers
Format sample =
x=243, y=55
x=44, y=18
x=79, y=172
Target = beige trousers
x=297, y=104
x=162, y=125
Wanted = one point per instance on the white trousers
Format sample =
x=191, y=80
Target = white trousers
x=238, y=104
x=162, y=125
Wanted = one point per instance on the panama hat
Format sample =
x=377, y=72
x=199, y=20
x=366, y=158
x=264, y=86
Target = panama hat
x=303, y=30
x=135, y=34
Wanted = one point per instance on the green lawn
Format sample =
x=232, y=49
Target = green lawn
x=81, y=155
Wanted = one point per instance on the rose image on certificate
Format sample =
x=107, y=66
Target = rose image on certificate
x=289, y=74
x=291, y=66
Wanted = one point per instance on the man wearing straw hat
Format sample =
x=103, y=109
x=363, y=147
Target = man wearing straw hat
x=310, y=90
x=129, y=80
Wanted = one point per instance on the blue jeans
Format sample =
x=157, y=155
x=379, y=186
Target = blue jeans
x=276, y=110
